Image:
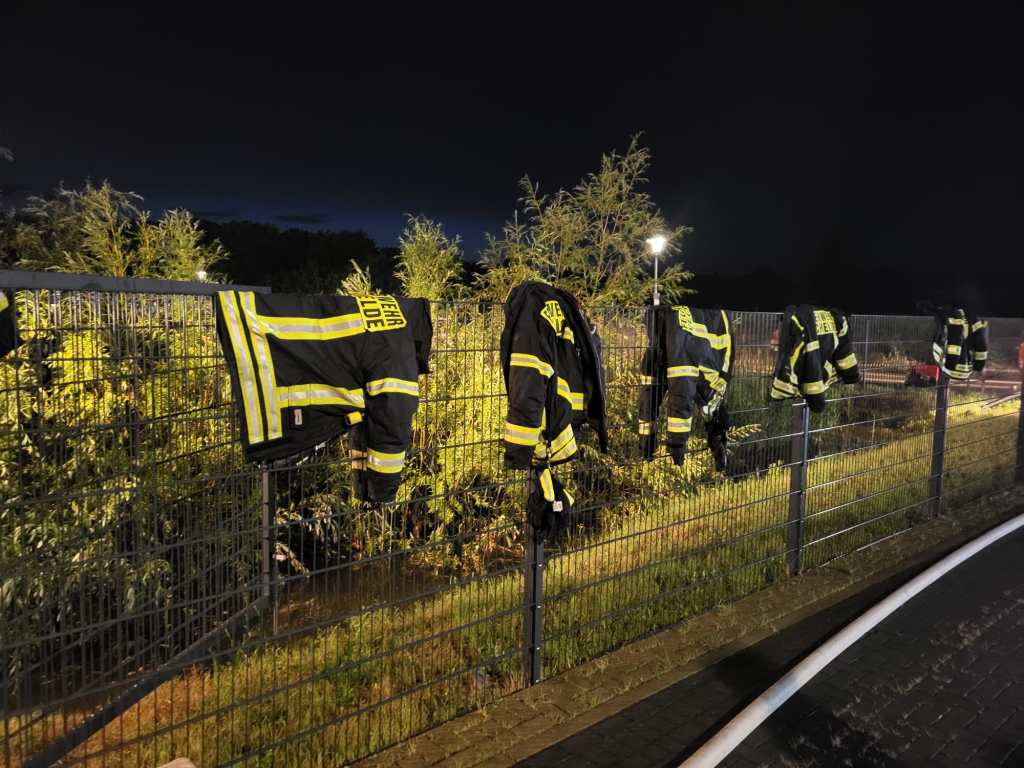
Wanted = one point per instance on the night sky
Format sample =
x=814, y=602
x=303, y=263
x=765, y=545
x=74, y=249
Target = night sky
x=787, y=135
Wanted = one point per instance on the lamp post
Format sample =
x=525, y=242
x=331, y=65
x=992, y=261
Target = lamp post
x=657, y=244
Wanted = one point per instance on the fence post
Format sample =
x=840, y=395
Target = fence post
x=939, y=443
x=267, y=569
x=799, y=448
x=533, y=596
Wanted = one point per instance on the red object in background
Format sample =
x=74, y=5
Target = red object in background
x=923, y=375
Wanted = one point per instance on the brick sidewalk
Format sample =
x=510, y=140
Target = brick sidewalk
x=940, y=683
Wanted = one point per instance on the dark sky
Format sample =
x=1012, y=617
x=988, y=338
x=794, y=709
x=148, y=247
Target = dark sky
x=784, y=134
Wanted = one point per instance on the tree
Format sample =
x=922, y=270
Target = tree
x=103, y=231
x=589, y=240
x=429, y=262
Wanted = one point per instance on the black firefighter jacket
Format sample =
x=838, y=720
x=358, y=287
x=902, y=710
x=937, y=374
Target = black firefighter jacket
x=551, y=360
x=8, y=323
x=689, y=355
x=960, y=345
x=815, y=351
x=305, y=369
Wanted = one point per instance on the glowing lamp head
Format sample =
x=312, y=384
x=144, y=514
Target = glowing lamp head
x=657, y=244
x=201, y=274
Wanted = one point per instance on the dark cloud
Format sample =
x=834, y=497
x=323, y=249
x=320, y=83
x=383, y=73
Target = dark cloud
x=309, y=219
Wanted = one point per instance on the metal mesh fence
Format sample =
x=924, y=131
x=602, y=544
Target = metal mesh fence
x=161, y=598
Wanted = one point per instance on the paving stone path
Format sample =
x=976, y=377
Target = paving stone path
x=940, y=683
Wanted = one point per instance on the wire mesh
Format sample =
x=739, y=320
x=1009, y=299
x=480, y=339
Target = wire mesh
x=260, y=615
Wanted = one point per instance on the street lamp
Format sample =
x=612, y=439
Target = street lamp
x=657, y=244
x=201, y=275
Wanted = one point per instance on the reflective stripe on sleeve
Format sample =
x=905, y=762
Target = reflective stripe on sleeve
x=386, y=463
x=644, y=427
x=646, y=380
x=813, y=345
x=4, y=303
x=813, y=387
x=679, y=371
x=514, y=433
x=981, y=355
x=978, y=326
x=845, y=363
x=679, y=425
x=953, y=349
x=522, y=360
x=564, y=445
x=394, y=386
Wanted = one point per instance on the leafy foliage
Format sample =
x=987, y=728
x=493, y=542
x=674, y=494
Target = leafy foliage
x=103, y=231
x=429, y=262
x=590, y=240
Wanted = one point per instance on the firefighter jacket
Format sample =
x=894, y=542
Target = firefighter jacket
x=815, y=351
x=689, y=356
x=551, y=361
x=8, y=323
x=305, y=369
x=960, y=345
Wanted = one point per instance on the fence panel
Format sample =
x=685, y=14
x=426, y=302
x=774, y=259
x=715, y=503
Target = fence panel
x=246, y=614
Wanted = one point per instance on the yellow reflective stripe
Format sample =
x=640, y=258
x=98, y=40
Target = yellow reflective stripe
x=385, y=463
x=318, y=394
x=678, y=371
x=813, y=387
x=715, y=340
x=796, y=321
x=978, y=326
x=353, y=418
x=847, y=362
x=937, y=353
x=575, y=398
x=514, y=433
x=523, y=360
x=265, y=364
x=727, y=362
x=953, y=349
x=679, y=425
x=981, y=355
x=813, y=345
x=312, y=328
x=569, y=497
x=714, y=379
x=568, y=335
x=796, y=355
x=844, y=329
x=646, y=380
x=563, y=446
x=4, y=303
x=645, y=427
x=546, y=485
x=246, y=376
x=390, y=385
x=785, y=387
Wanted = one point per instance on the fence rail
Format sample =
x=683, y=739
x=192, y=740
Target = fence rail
x=160, y=597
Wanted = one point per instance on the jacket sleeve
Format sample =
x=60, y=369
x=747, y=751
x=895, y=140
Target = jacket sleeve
x=682, y=388
x=392, y=396
x=785, y=383
x=652, y=386
x=979, y=343
x=531, y=367
x=844, y=357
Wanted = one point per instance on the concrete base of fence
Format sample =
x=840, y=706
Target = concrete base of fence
x=527, y=722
